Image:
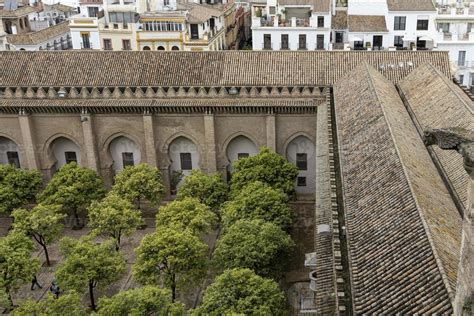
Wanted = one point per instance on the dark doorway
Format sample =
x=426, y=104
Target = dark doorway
x=377, y=41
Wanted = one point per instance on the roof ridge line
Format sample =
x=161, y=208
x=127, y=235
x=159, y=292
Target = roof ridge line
x=450, y=86
x=439, y=264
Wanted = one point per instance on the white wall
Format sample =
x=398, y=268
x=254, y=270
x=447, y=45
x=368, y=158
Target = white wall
x=182, y=145
x=367, y=7
x=5, y=146
x=93, y=37
x=293, y=37
x=60, y=146
x=410, y=29
x=302, y=144
x=453, y=49
x=240, y=144
x=120, y=145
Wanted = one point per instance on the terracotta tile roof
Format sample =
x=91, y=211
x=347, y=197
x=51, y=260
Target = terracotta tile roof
x=403, y=228
x=318, y=5
x=339, y=20
x=410, y=5
x=60, y=7
x=439, y=104
x=201, y=13
x=367, y=23
x=41, y=36
x=217, y=68
x=21, y=11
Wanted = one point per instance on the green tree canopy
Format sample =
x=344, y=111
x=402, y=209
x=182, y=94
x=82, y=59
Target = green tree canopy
x=188, y=213
x=17, y=187
x=43, y=223
x=267, y=167
x=139, y=182
x=88, y=264
x=74, y=188
x=114, y=217
x=241, y=291
x=257, y=245
x=209, y=189
x=67, y=304
x=16, y=264
x=147, y=300
x=175, y=258
x=257, y=200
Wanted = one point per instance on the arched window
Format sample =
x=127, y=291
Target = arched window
x=65, y=151
x=146, y=48
x=9, y=153
x=160, y=48
x=184, y=156
x=175, y=48
x=125, y=152
x=238, y=148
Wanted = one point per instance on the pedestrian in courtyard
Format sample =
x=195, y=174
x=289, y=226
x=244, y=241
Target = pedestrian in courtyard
x=54, y=288
x=35, y=283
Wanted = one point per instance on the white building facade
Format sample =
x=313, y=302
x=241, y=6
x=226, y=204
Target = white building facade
x=291, y=25
x=455, y=25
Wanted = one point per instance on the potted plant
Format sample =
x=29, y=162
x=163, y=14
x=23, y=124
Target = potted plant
x=368, y=45
x=176, y=177
x=412, y=46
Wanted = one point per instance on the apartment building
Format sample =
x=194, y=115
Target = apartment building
x=291, y=25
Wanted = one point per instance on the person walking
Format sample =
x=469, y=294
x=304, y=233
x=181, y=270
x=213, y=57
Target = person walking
x=54, y=288
x=35, y=283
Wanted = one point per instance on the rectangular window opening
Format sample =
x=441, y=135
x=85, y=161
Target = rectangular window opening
x=186, y=162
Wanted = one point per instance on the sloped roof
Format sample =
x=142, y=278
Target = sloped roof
x=201, y=13
x=339, y=20
x=41, y=36
x=404, y=231
x=217, y=68
x=60, y=7
x=21, y=11
x=440, y=104
x=367, y=23
x=318, y=5
x=410, y=5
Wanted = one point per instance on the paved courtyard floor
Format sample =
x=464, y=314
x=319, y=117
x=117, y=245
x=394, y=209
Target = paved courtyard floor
x=302, y=232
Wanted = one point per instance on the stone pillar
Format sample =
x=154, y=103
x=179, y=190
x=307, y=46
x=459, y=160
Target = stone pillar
x=29, y=147
x=150, y=147
x=271, y=130
x=210, y=142
x=89, y=141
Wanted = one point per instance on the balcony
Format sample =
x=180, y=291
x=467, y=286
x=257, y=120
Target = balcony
x=454, y=12
x=463, y=64
x=454, y=37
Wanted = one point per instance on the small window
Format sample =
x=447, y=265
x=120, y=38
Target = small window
x=302, y=161
x=242, y=155
x=272, y=10
x=301, y=181
x=461, y=57
x=127, y=159
x=13, y=158
x=126, y=44
x=284, y=41
x=320, y=21
x=398, y=41
x=186, y=162
x=320, y=42
x=70, y=156
x=302, y=41
x=422, y=25
x=107, y=44
x=400, y=23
